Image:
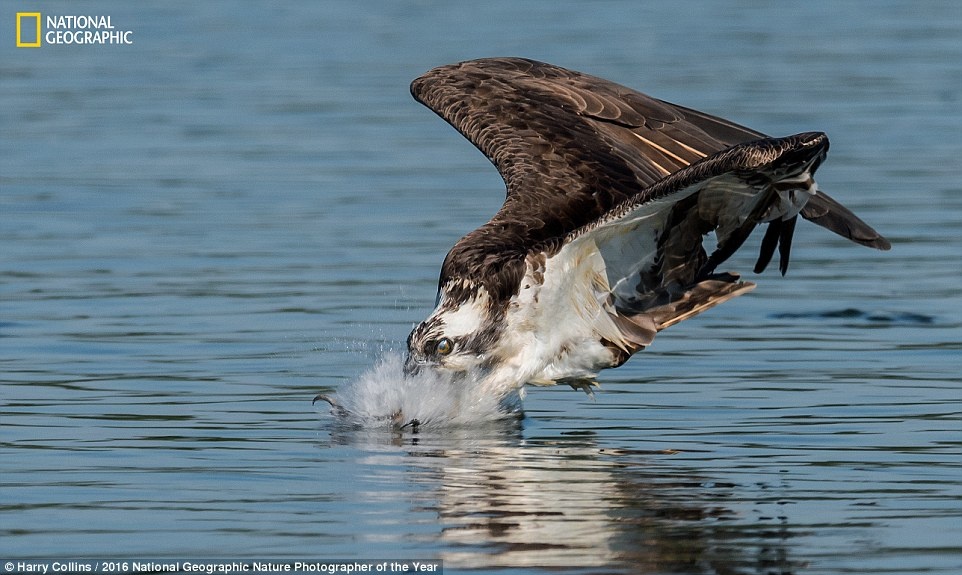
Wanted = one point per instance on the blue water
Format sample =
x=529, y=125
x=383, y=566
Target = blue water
x=204, y=229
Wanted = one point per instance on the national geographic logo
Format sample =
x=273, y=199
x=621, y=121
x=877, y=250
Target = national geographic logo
x=28, y=29
x=33, y=30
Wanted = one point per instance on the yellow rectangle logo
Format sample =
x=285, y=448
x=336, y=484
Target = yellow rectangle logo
x=24, y=32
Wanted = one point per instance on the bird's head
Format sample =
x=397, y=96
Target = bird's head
x=461, y=341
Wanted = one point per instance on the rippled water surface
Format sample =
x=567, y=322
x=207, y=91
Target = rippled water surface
x=244, y=208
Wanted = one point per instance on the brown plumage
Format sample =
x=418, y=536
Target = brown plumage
x=619, y=186
x=572, y=147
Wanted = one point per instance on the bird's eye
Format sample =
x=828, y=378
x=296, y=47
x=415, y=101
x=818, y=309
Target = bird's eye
x=444, y=346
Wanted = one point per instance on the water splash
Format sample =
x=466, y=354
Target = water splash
x=384, y=397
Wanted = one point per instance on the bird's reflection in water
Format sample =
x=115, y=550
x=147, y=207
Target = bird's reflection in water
x=503, y=500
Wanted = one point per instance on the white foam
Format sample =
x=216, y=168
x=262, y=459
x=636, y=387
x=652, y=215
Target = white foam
x=384, y=396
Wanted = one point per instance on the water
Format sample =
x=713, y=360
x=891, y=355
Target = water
x=203, y=230
x=384, y=397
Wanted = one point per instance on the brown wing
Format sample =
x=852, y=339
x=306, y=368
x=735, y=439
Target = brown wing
x=570, y=147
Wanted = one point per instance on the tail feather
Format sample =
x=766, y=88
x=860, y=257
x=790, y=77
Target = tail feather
x=704, y=295
x=638, y=328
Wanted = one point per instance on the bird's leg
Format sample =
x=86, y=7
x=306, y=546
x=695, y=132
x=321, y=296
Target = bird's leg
x=585, y=385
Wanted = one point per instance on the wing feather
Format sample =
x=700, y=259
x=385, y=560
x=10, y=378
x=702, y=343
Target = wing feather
x=583, y=156
x=569, y=146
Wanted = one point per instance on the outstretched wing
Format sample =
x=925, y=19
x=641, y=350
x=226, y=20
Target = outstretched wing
x=569, y=146
x=572, y=148
x=647, y=267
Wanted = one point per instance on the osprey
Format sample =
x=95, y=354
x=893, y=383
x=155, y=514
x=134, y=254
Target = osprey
x=599, y=243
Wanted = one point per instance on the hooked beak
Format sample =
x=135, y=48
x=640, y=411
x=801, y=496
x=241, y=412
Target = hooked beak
x=412, y=366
